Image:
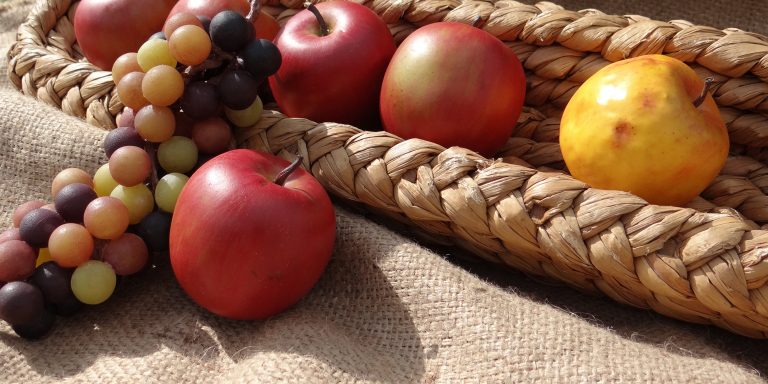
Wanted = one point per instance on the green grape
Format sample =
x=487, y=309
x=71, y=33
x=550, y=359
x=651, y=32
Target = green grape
x=103, y=182
x=177, y=154
x=93, y=282
x=245, y=117
x=153, y=53
x=168, y=189
x=138, y=199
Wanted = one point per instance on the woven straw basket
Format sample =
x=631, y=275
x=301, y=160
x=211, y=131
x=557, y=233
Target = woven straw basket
x=705, y=263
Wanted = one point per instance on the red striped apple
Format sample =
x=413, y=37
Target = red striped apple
x=455, y=85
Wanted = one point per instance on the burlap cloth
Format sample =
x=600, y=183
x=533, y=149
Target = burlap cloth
x=387, y=310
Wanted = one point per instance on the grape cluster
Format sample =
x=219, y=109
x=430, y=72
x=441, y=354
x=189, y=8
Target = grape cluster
x=61, y=255
x=196, y=79
x=185, y=90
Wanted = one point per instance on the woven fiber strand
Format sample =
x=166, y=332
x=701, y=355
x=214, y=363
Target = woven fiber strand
x=704, y=263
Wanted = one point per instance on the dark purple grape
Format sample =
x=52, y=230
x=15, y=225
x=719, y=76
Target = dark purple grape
x=38, y=327
x=69, y=306
x=20, y=302
x=238, y=89
x=200, y=100
x=230, y=31
x=154, y=230
x=37, y=225
x=205, y=21
x=121, y=137
x=53, y=281
x=25, y=208
x=71, y=201
x=157, y=35
x=261, y=58
x=202, y=158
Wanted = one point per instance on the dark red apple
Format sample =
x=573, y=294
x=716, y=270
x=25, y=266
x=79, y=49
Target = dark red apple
x=455, y=85
x=265, y=26
x=333, y=74
x=106, y=29
x=246, y=242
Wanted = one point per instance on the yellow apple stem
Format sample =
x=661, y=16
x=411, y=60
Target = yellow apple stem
x=707, y=84
x=283, y=175
x=254, y=11
x=323, y=26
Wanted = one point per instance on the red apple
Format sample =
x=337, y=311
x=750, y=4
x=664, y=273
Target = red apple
x=265, y=26
x=106, y=29
x=333, y=75
x=455, y=85
x=245, y=244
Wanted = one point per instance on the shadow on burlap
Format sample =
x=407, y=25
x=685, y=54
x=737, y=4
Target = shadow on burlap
x=387, y=309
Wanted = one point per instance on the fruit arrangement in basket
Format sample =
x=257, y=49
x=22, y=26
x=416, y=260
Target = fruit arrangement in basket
x=185, y=89
x=637, y=126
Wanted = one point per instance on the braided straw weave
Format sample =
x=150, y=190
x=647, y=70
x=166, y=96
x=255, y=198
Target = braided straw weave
x=705, y=263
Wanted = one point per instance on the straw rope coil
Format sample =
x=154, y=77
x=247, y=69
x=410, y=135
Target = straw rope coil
x=704, y=263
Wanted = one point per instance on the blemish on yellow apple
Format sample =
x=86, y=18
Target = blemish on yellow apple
x=639, y=125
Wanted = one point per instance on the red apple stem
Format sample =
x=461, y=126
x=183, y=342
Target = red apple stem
x=283, y=175
x=254, y=11
x=477, y=22
x=707, y=84
x=323, y=25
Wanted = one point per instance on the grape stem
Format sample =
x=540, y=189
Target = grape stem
x=253, y=13
x=152, y=151
x=324, y=31
x=283, y=175
x=707, y=84
x=215, y=61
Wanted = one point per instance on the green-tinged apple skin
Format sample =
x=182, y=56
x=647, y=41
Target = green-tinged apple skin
x=106, y=29
x=455, y=85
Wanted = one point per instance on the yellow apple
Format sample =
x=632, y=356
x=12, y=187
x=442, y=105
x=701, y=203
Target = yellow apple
x=645, y=125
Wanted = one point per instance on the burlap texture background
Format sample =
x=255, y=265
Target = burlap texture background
x=387, y=309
